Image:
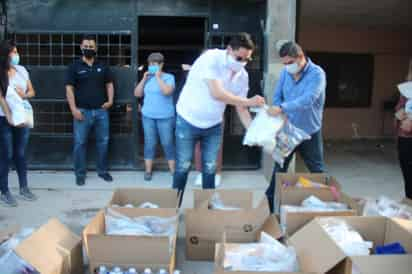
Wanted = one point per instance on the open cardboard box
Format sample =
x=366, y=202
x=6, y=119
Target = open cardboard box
x=320, y=254
x=271, y=227
x=204, y=227
x=129, y=251
x=52, y=249
x=294, y=196
x=164, y=198
x=292, y=179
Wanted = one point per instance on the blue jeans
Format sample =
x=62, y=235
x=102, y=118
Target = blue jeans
x=158, y=127
x=13, y=143
x=187, y=136
x=99, y=120
x=312, y=154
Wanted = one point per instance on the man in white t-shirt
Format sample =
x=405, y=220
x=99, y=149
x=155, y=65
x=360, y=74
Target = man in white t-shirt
x=217, y=78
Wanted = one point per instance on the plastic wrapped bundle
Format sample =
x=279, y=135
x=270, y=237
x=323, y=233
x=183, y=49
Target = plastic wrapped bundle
x=268, y=255
x=10, y=263
x=216, y=203
x=347, y=238
x=387, y=207
x=118, y=224
x=287, y=139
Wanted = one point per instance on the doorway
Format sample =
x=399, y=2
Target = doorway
x=181, y=40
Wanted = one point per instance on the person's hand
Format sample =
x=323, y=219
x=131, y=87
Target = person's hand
x=158, y=74
x=77, y=114
x=401, y=115
x=274, y=111
x=406, y=125
x=107, y=105
x=256, y=101
x=20, y=92
x=145, y=75
x=186, y=67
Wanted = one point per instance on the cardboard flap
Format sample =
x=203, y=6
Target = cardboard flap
x=164, y=198
x=397, y=232
x=272, y=227
x=406, y=224
x=236, y=198
x=318, y=253
x=42, y=249
x=383, y=264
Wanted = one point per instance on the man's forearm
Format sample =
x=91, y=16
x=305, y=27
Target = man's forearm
x=219, y=93
x=244, y=116
x=70, y=98
x=110, y=92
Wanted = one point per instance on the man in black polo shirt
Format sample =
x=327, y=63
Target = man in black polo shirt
x=89, y=92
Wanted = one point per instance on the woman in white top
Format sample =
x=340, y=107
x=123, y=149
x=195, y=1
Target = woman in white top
x=14, y=81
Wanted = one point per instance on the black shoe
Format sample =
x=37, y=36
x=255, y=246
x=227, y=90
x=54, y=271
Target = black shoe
x=27, y=195
x=106, y=176
x=80, y=181
x=8, y=200
x=148, y=176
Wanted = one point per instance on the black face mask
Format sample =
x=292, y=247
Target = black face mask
x=89, y=53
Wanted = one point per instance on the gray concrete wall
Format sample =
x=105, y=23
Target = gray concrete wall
x=280, y=24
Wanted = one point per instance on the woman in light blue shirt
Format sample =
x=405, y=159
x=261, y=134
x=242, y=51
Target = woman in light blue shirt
x=158, y=112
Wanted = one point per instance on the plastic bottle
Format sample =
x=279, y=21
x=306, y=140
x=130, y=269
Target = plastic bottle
x=131, y=270
x=163, y=271
x=116, y=270
x=177, y=272
x=102, y=270
x=147, y=271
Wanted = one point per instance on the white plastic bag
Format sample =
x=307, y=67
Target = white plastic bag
x=267, y=255
x=387, y=207
x=347, y=238
x=10, y=263
x=15, y=240
x=263, y=130
x=216, y=203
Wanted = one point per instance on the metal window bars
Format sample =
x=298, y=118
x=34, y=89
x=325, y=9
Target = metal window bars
x=60, y=49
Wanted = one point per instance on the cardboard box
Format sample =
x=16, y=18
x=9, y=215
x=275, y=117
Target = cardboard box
x=204, y=227
x=129, y=251
x=292, y=178
x=294, y=196
x=271, y=227
x=164, y=198
x=321, y=254
x=52, y=249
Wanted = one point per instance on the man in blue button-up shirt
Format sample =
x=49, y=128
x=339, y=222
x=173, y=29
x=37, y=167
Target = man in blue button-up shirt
x=300, y=96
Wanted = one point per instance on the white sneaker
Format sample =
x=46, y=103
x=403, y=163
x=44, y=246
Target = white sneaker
x=198, y=180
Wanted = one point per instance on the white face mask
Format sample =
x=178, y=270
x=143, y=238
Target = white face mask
x=234, y=65
x=292, y=68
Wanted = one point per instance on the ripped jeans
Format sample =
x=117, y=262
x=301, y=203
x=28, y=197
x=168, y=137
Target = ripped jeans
x=187, y=136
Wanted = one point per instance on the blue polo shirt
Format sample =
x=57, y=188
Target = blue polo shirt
x=303, y=101
x=156, y=105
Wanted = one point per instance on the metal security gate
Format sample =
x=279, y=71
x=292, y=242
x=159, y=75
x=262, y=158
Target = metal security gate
x=46, y=55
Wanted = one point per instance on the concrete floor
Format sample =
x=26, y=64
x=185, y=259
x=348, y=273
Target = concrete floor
x=364, y=168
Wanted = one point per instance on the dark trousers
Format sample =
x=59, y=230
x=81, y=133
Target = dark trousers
x=312, y=154
x=13, y=143
x=405, y=160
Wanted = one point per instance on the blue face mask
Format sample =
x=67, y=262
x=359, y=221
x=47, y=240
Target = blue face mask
x=152, y=69
x=15, y=60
